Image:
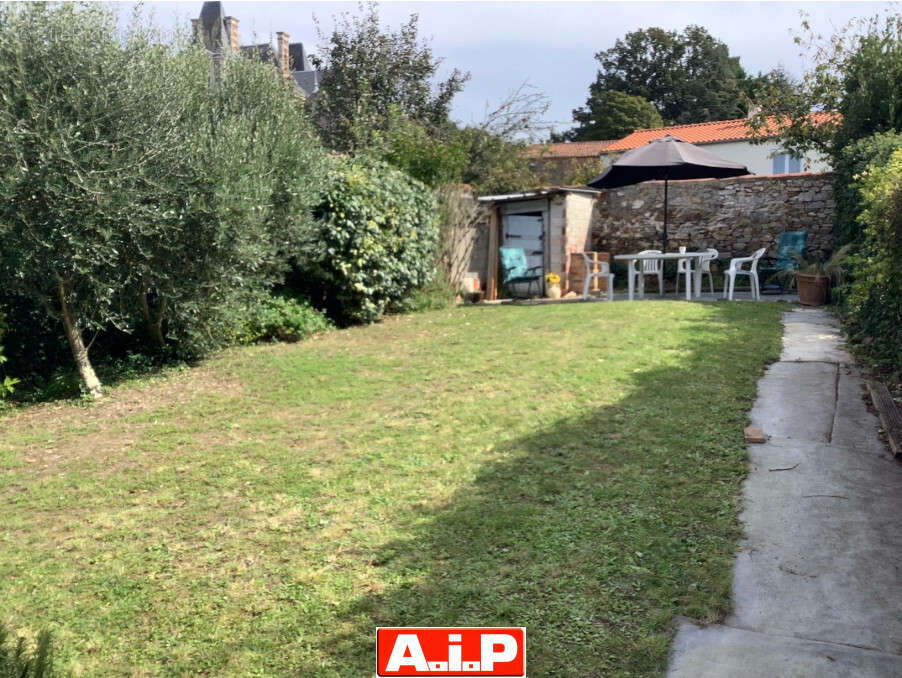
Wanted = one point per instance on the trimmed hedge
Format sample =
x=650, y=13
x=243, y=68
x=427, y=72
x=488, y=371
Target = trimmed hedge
x=873, y=304
x=375, y=243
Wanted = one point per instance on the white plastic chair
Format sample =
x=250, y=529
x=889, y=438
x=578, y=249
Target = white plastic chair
x=736, y=270
x=604, y=271
x=683, y=264
x=644, y=267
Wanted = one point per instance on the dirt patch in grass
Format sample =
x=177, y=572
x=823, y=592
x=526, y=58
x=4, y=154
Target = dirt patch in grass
x=57, y=436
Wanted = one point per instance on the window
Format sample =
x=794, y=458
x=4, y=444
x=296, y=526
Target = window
x=786, y=164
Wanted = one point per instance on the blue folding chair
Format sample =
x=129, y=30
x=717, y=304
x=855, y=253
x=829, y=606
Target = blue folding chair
x=789, y=254
x=515, y=269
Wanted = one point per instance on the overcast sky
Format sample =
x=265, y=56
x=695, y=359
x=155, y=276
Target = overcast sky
x=551, y=45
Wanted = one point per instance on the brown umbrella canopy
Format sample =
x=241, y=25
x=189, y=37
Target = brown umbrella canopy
x=666, y=158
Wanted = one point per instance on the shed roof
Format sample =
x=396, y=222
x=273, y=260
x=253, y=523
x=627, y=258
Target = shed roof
x=543, y=192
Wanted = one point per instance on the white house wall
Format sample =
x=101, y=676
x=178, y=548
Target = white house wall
x=759, y=158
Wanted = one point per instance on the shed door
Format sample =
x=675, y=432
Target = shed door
x=525, y=231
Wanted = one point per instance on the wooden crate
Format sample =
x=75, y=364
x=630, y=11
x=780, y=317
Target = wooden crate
x=577, y=272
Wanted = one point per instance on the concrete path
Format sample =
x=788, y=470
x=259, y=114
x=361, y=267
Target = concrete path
x=817, y=586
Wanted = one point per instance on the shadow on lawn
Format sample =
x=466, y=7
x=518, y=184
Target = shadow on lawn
x=594, y=532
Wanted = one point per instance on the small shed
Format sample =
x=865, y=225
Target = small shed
x=551, y=224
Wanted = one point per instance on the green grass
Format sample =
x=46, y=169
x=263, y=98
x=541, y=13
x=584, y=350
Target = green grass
x=574, y=469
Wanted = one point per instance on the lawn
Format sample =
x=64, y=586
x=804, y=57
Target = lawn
x=574, y=469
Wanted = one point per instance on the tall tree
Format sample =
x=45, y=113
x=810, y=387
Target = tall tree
x=611, y=115
x=488, y=156
x=368, y=72
x=775, y=86
x=857, y=72
x=688, y=77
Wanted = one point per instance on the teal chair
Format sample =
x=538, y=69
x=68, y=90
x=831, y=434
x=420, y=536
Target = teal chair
x=789, y=254
x=515, y=269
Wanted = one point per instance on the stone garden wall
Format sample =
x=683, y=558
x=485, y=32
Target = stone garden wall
x=735, y=216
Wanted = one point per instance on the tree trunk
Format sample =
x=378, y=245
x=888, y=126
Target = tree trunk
x=154, y=322
x=77, y=344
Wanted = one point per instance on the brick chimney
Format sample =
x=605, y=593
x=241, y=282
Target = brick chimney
x=282, y=54
x=231, y=27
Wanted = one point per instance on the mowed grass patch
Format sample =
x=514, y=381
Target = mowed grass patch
x=573, y=469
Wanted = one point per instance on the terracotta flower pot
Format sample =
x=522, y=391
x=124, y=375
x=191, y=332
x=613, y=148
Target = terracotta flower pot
x=812, y=289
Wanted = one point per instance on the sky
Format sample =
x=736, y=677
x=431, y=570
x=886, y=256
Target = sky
x=549, y=45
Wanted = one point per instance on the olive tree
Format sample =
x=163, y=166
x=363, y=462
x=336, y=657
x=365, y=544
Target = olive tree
x=67, y=161
x=133, y=189
x=225, y=214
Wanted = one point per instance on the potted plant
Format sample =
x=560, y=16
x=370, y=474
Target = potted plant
x=814, y=278
x=552, y=286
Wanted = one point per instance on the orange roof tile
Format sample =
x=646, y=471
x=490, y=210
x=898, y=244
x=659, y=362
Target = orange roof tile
x=570, y=149
x=704, y=132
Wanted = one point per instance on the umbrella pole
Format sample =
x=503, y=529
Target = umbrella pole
x=664, y=249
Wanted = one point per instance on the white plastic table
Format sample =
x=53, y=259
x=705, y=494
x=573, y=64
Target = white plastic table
x=693, y=280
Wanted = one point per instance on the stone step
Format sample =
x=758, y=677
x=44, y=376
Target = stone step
x=725, y=652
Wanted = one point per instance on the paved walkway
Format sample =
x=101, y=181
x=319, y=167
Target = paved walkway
x=817, y=586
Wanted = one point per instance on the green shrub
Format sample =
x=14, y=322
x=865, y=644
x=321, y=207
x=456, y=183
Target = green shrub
x=375, y=243
x=34, y=344
x=433, y=156
x=235, y=205
x=17, y=662
x=873, y=303
x=6, y=382
x=852, y=161
x=435, y=295
x=278, y=318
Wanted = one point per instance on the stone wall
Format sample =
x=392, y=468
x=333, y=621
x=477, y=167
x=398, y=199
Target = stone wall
x=735, y=216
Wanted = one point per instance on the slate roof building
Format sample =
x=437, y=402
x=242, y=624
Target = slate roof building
x=219, y=34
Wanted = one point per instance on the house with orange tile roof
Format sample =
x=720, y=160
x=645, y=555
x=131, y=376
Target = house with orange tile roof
x=732, y=140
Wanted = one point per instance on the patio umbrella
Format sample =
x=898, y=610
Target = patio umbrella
x=666, y=158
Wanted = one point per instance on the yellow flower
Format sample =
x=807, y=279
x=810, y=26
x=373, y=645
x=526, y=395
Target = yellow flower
x=552, y=278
